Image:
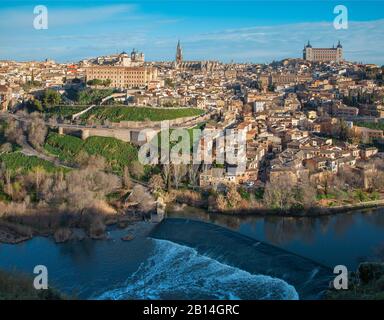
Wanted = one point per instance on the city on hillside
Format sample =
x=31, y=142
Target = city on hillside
x=309, y=120
x=99, y=187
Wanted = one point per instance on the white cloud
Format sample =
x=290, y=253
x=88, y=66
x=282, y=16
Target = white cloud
x=78, y=33
x=22, y=17
x=363, y=41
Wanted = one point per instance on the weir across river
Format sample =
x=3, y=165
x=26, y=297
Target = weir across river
x=309, y=278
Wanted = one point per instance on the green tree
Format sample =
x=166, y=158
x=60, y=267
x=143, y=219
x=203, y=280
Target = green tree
x=272, y=87
x=51, y=98
x=34, y=105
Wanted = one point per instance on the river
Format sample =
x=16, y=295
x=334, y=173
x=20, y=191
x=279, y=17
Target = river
x=346, y=238
x=260, y=258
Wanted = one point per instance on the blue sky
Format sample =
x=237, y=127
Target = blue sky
x=243, y=31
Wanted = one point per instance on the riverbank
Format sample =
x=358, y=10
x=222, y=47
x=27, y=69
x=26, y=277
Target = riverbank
x=310, y=212
x=315, y=211
x=367, y=283
x=17, y=286
x=81, y=228
x=14, y=233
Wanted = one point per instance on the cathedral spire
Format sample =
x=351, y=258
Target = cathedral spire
x=179, y=53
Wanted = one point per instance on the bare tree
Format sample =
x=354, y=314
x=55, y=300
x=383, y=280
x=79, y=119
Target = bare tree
x=377, y=181
x=142, y=197
x=136, y=169
x=348, y=177
x=8, y=183
x=193, y=174
x=156, y=183
x=14, y=133
x=86, y=185
x=234, y=197
x=166, y=174
x=178, y=171
x=221, y=202
x=5, y=148
x=127, y=182
x=36, y=131
x=278, y=195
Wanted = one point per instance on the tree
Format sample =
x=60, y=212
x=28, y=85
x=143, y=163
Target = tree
x=6, y=148
x=143, y=198
x=234, y=197
x=89, y=184
x=178, y=171
x=136, y=169
x=107, y=83
x=14, y=133
x=34, y=181
x=221, y=202
x=348, y=177
x=303, y=195
x=272, y=87
x=51, y=98
x=156, y=183
x=278, y=194
x=169, y=83
x=34, y=105
x=166, y=174
x=36, y=131
x=193, y=174
x=127, y=182
x=344, y=131
x=96, y=162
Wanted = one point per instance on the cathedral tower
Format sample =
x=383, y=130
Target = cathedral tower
x=179, y=53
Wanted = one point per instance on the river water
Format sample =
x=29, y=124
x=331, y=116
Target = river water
x=342, y=239
x=250, y=258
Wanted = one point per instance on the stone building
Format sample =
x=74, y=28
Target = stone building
x=193, y=66
x=123, y=77
x=323, y=54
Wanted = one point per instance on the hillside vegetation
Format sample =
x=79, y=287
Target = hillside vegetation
x=68, y=148
x=122, y=113
x=371, y=125
x=65, y=111
x=20, y=163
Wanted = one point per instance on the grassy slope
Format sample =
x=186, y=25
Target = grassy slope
x=116, y=152
x=371, y=125
x=121, y=113
x=18, y=162
x=65, y=111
